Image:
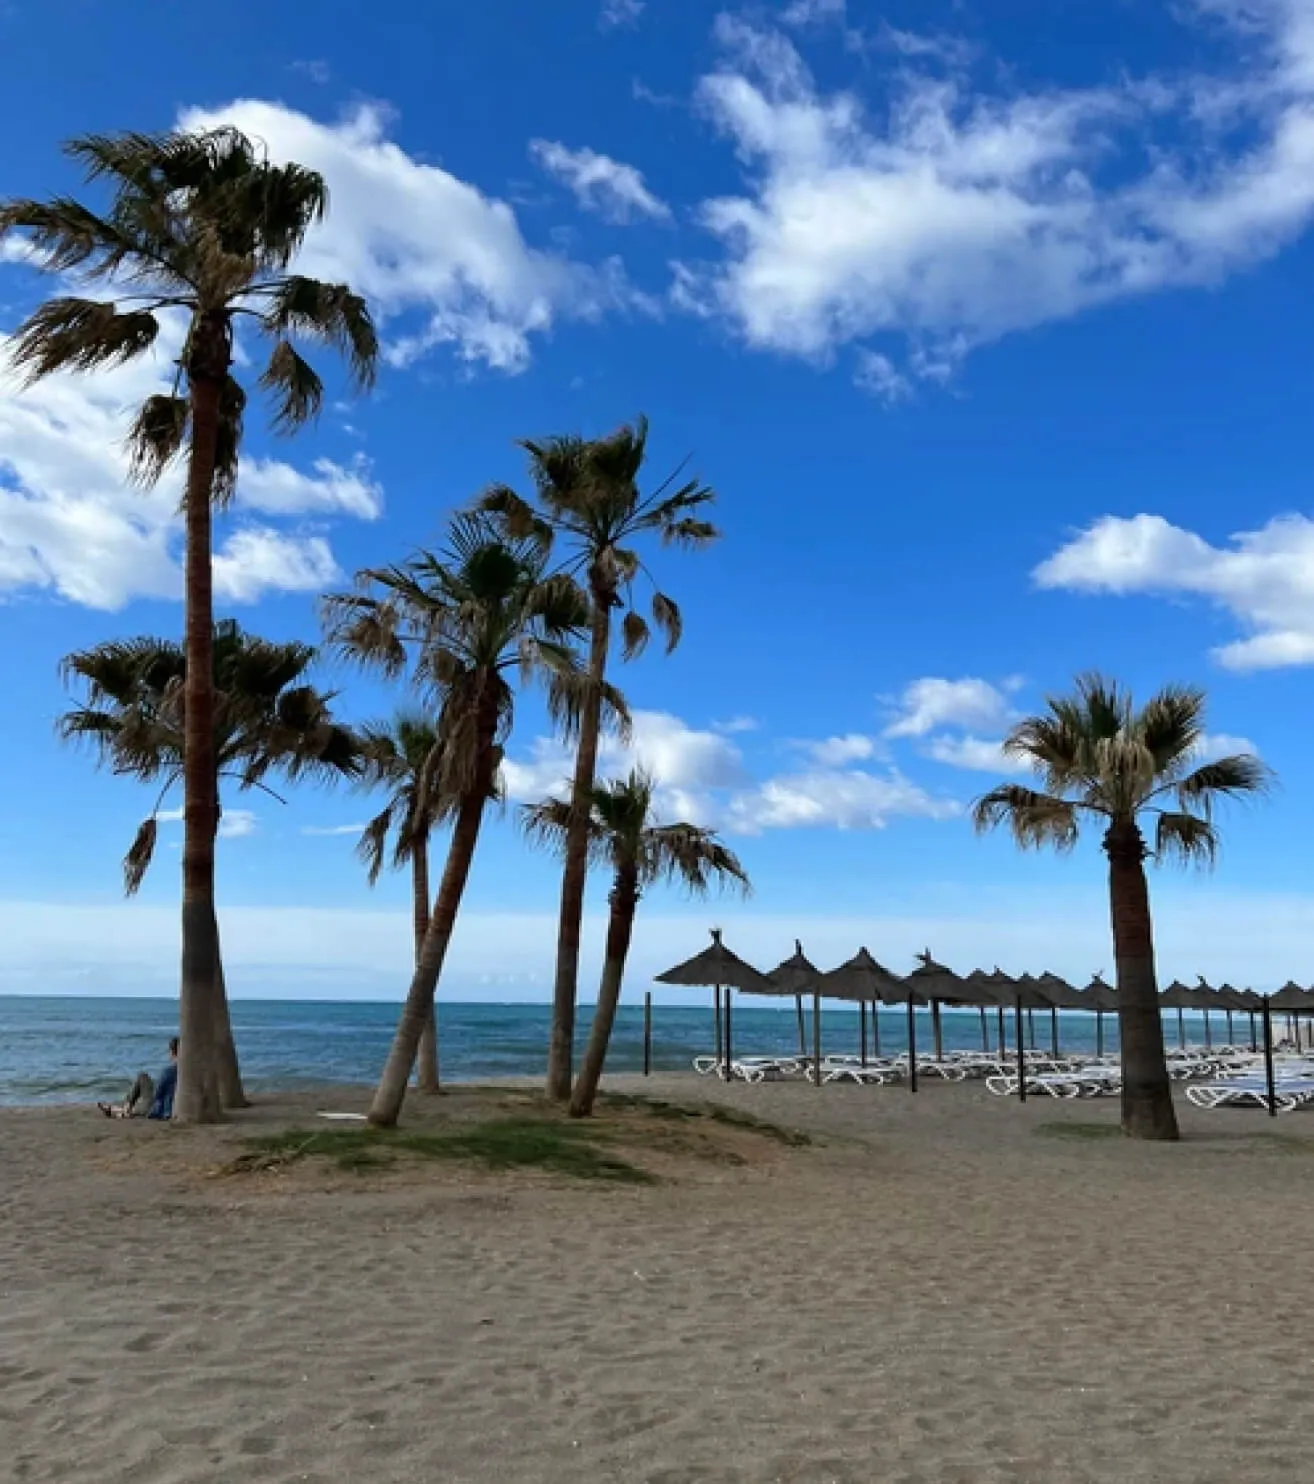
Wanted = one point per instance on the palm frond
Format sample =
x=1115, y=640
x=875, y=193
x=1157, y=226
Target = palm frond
x=296, y=388
x=515, y=516
x=635, y=634
x=1187, y=838
x=693, y=858
x=666, y=615
x=140, y=854
x=372, y=845
x=1242, y=776
x=232, y=408
x=1035, y=819
x=329, y=312
x=547, y=824
x=65, y=236
x=1171, y=725
x=79, y=335
x=365, y=629
x=156, y=438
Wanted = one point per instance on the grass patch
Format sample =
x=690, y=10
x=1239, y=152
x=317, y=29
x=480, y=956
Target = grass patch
x=711, y=1112
x=1080, y=1131
x=500, y=1144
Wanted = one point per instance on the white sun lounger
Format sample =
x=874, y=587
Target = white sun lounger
x=1289, y=1093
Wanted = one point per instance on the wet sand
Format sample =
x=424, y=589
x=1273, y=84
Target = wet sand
x=939, y=1291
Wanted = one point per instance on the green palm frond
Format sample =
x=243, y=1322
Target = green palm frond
x=297, y=390
x=157, y=437
x=1241, y=776
x=329, y=312
x=1171, y=725
x=79, y=335
x=373, y=843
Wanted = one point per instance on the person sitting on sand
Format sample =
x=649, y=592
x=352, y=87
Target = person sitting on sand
x=147, y=1097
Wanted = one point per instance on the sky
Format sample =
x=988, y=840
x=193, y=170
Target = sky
x=990, y=325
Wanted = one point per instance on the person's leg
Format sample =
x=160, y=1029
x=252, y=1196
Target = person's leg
x=141, y=1096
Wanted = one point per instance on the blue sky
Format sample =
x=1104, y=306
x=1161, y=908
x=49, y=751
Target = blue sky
x=991, y=329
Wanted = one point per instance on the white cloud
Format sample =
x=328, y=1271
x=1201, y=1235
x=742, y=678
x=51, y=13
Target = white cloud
x=1221, y=744
x=334, y=489
x=234, y=824
x=736, y=724
x=1263, y=578
x=812, y=12
x=977, y=754
x=932, y=702
x=73, y=525
x=833, y=798
x=951, y=217
x=599, y=183
x=834, y=752
x=418, y=240
x=332, y=829
x=617, y=15
x=879, y=375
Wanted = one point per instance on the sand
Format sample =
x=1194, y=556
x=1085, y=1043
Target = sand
x=939, y=1293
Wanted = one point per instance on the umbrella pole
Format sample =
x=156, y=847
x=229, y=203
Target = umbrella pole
x=647, y=1033
x=729, y=1050
x=876, y=1028
x=1181, y=1028
x=802, y=1028
x=936, y=1030
x=1254, y=1040
x=1099, y=1033
x=1003, y=1036
x=912, y=1046
x=1209, y=1038
x=1053, y=1029
x=985, y=1030
x=816, y=1038
x=716, y=1000
x=862, y=1030
x=1267, y=1015
x=1230, y=1032
x=1031, y=1029
x=1021, y=1056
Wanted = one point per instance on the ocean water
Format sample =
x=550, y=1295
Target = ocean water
x=76, y=1050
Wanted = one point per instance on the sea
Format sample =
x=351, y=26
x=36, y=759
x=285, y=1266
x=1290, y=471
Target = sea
x=69, y=1050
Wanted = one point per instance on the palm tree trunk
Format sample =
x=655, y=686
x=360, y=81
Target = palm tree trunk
x=391, y=1091
x=231, y=1092
x=1147, y=1100
x=575, y=874
x=624, y=899
x=426, y=1071
x=198, y=1099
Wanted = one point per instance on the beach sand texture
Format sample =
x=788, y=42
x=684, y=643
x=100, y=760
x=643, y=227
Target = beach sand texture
x=938, y=1293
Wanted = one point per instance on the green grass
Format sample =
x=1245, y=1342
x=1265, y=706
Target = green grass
x=712, y=1112
x=501, y=1144
x=1080, y=1131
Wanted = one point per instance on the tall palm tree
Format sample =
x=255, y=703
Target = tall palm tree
x=588, y=500
x=1098, y=756
x=464, y=619
x=399, y=756
x=204, y=225
x=623, y=835
x=265, y=720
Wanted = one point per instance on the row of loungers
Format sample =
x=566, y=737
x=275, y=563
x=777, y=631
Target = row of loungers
x=1225, y=1076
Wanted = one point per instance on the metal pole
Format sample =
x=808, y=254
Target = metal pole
x=1209, y=1038
x=1053, y=1029
x=912, y=1045
x=1181, y=1028
x=1021, y=1056
x=802, y=1027
x=985, y=1030
x=1268, y=1058
x=647, y=1033
x=1099, y=1033
x=1254, y=1040
x=720, y=1040
x=936, y=1030
x=1230, y=1032
x=816, y=1037
x=862, y=1030
x=1003, y=1036
x=876, y=1027
x=1031, y=1028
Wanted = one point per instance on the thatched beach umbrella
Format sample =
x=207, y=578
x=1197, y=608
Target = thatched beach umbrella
x=1001, y=986
x=717, y=968
x=867, y=982
x=1206, y=999
x=1179, y=997
x=1229, y=1001
x=982, y=989
x=938, y=986
x=1293, y=1001
x=798, y=976
x=1061, y=996
x=1103, y=999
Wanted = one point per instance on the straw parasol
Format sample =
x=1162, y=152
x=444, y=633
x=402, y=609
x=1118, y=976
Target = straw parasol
x=718, y=968
x=1179, y=997
x=1061, y=996
x=1293, y=1002
x=867, y=982
x=798, y=976
x=935, y=985
x=1102, y=998
x=1229, y=1001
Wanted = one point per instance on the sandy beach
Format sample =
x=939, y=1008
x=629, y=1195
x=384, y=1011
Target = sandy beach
x=942, y=1289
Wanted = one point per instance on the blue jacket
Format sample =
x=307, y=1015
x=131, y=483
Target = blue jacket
x=162, y=1107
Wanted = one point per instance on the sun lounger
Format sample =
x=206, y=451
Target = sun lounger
x=1289, y=1093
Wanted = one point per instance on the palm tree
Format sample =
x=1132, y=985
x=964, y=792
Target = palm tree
x=1098, y=756
x=588, y=499
x=204, y=225
x=398, y=757
x=622, y=835
x=265, y=720
x=465, y=619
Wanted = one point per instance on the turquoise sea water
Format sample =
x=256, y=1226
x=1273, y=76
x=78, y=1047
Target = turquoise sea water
x=76, y=1050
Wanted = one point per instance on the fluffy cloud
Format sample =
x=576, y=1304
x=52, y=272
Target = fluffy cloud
x=977, y=754
x=834, y=752
x=933, y=702
x=833, y=798
x=1264, y=578
x=234, y=824
x=419, y=241
x=599, y=183
x=71, y=524
x=952, y=216
x=1221, y=744
x=617, y=15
